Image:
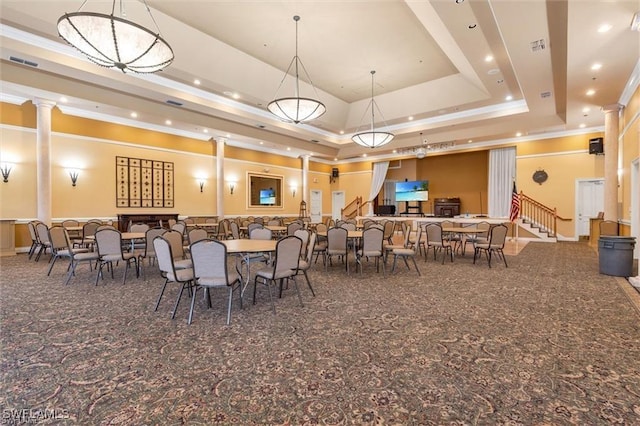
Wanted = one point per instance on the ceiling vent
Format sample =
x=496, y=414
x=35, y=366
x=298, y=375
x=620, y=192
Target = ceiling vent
x=538, y=45
x=174, y=103
x=23, y=61
x=545, y=95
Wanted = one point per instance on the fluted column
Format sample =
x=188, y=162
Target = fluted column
x=305, y=178
x=611, y=134
x=43, y=158
x=220, y=143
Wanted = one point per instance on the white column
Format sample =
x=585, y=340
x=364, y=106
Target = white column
x=611, y=134
x=220, y=176
x=305, y=179
x=43, y=160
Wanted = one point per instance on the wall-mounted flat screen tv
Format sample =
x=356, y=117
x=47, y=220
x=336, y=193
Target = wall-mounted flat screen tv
x=416, y=190
x=267, y=197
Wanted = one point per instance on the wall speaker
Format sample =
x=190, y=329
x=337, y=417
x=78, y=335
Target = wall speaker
x=596, y=146
x=335, y=172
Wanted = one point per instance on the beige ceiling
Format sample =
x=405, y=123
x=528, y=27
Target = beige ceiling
x=429, y=58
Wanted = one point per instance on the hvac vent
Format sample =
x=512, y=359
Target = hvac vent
x=538, y=45
x=545, y=95
x=23, y=61
x=315, y=141
x=174, y=103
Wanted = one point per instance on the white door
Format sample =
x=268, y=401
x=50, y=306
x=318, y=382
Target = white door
x=337, y=204
x=589, y=202
x=315, y=208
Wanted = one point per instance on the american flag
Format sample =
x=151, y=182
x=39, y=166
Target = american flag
x=515, y=204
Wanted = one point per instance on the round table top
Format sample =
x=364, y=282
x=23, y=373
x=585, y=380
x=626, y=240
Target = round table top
x=244, y=245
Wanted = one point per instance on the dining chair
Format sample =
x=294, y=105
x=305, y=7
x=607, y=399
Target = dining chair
x=87, y=238
x=389, y=230
x=210, y=271
x=180, y=226
x=285, y=266
x=59, y=239
x=69, y=223
x=372, y=246
x=77, y=256
x=35, y=242
x=497, y=239
x=479, y=237
x=293, y=227
x=166, y=265
x=196, y=234
x=148, y=252
x=260, y=234
x=437, y=242
x=408, y=251
x=609, y=228
x=177, y=249
x=304, y=235
x=305, y=263
x=406, y=234
x=337, y=245
x=43, y=236
x=109, y=245
x=235, y=230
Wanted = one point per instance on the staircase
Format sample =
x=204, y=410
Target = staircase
x=538, y=219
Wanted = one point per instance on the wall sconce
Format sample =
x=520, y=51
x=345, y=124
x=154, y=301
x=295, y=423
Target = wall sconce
x=201, y=183
x=293, y=191
x=232, y=186
x=73, y=174
x=6, y=169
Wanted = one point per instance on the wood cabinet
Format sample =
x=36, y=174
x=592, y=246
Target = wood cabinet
x=151, y=219
x=446, y=207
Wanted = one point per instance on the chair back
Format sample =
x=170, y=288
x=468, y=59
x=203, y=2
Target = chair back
x=58, y=238
x=209, y=259
x=337, y=239
x=287, y=256
x=150, y=235
x=418, y=236
x=235, y=230
x=303, y=234
x=274, y=222
x=109, y=242
x=139, y=227
x=101, y=227
x=196, y=234
x=259, y=220
x=98, y=221
x=189, y=221
x=171, y=222
x=70, y=222
x=164, y=256
x=321, y=227
x=293, y=227
x=211, y=220
x=483, y=229
x=261, y=234
x=180, y=227
x=89, y=229
x=407, y=235
x=252, y=226
x=175, y=239
x=389, y=228
x=43, y=232
x=434, y=233
x=348, y=226
x=32, y=230
x=372, y=241
x=498, y=236
x=312, y=244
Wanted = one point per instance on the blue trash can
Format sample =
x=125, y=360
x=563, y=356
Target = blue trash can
x=616, y=255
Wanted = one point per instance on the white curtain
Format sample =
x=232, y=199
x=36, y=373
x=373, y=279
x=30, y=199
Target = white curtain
x=377, y=179
x=502, y=172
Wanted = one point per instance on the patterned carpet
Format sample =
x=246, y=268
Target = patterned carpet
x=546, y=341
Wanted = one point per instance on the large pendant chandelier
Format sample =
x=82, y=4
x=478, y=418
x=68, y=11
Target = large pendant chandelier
x=372, y=138
x=296, y=109
x=113, y=42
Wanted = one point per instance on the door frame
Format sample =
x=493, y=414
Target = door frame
x=311, y=192
x=336, y=210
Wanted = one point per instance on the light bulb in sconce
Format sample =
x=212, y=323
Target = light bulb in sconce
x=73, y=174
x=6, y=169
x=201, y=182
x=232, y=186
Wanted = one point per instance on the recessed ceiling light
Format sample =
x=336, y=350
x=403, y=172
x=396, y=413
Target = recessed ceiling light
x=596, y=66
x=64, y=100
x=586, y=109
x=411, y=118
x=591, y=92
x=394, y=151
x=364, y=155
x=288, y=148
x=235, y=96
x=342, y=132
x=488, y=58
x=493, y=71
x=509, y=98
x=518, y=134
x=470, y=140
x=335, y=159
x=228, y=135
x=261, y=143
x=168, y=122
x=196, y=82
x=582, y=125
x=604, y=28
x=134, y=115
x=206, y=130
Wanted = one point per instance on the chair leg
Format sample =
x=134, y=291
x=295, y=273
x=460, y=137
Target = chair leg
x=193, y=302
x=175, y=308
x=52, y=262
x=72, y=271
x=504, y=259
x=416, y=265
x=295, y=282
x=161, y=293
x=309, y=282
x=229, y=304
x=404, y=258
x=273, y=305
x=393, y=268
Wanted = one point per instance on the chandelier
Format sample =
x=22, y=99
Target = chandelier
x=372, y=138
x=113, y=42
x=296, y=109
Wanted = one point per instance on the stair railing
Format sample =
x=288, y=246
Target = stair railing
x=353, y=209
x=539, y=216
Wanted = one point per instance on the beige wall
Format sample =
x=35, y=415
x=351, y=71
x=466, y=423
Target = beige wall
x=630, y=152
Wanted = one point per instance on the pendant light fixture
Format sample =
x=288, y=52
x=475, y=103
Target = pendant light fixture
x=296, y=109
x=372, y=138
x=113, y=42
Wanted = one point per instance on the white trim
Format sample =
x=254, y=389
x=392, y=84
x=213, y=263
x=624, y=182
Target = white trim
x=631, y=86
x=631, y=123
x=553, y=154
